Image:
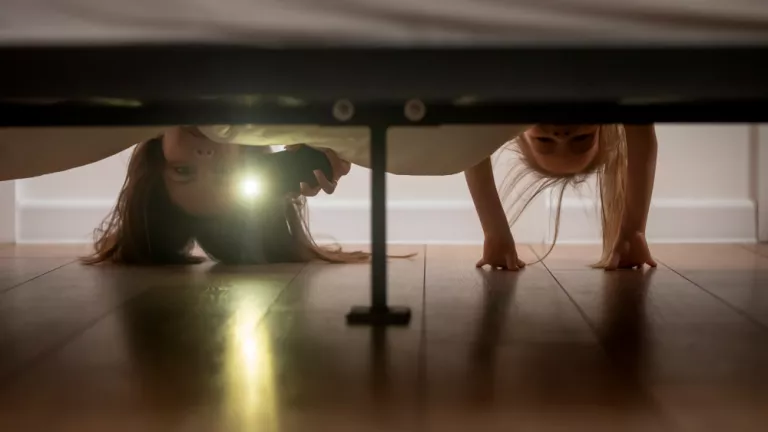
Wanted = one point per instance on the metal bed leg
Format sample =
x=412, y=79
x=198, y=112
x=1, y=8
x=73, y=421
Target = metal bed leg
x=379, y=312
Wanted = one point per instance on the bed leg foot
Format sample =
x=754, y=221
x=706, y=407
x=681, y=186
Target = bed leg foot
x=379, y=313
x=386, y=316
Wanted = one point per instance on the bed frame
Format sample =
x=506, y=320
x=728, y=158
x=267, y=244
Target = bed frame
x=379, y=88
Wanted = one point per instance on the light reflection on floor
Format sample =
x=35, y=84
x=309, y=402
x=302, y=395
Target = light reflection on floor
x=556, y=347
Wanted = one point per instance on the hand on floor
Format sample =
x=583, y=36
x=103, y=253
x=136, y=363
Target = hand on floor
x=500, y=252
x=631, y=251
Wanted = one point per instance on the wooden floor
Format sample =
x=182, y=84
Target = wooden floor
x=557, y=347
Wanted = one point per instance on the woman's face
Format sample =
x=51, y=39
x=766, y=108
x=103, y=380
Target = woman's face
x=198, y=173
x=562, y=149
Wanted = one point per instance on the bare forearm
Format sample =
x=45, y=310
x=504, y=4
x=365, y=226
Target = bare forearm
x=641, y=171
x=482, y=187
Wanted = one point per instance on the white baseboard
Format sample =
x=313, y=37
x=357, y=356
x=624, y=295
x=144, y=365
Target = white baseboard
x=438, y=222
x=330, y=221
x=670, y=221
x=7, y=211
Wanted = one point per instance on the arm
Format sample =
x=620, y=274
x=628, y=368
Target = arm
x=499, y=246
x=482, y=187
x=631, y=248
x=641, y=171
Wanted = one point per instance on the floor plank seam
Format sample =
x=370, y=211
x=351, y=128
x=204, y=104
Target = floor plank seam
x=304, y=268
x=500, y=353
x=44, y=354
x=667, y=419
x=424, y=288
x=13, y=287
x=40, y=357
x=726, y=303
x=421, y=367
x=583, y=315
x=754, y=251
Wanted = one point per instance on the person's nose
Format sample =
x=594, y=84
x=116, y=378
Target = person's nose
x=203, y=149
x=563, y=132
x=205, y=152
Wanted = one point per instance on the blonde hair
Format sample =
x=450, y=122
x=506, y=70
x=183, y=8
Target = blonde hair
x=610, y=168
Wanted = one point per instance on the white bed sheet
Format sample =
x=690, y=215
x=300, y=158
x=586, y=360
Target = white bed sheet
x=434, y=151
x=384, y=22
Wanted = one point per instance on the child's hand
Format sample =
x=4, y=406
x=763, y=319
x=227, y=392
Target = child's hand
x=630, y=251
x=340, y=168
x=500, y=252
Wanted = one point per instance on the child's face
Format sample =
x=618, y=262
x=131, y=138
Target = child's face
x=197, y=173
x=562, y=149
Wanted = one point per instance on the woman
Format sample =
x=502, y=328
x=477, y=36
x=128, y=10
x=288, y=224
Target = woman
x=179, y=189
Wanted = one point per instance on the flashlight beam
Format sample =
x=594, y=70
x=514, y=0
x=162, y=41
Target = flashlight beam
x=250, y=187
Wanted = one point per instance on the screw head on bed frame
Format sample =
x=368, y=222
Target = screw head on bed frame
x=415, y=110
x=343, y=110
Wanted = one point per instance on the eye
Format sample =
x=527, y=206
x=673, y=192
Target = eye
x=183, y=171
x=581, y=144
x=545, y=145
x=582, y=137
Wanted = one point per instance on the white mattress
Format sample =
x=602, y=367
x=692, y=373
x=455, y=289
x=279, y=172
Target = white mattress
x=384, y=22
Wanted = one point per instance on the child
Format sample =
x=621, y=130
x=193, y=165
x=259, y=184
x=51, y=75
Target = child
x=624, y=161
x=176, y=188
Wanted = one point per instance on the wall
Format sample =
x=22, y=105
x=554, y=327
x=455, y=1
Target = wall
x=704, y=193
x=7, y=212
x=760, y=167
x=704, y=189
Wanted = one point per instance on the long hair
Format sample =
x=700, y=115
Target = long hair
x=145, y=227
x=610, y=168
x=276, y=232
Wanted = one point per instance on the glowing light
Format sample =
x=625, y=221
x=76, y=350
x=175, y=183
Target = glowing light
x=250, y=187
x=249, y=378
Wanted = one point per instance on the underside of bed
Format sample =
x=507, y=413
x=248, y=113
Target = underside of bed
x=379, y=88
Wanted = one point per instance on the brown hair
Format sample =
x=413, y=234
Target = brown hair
x=610, y=168
x=145, y=227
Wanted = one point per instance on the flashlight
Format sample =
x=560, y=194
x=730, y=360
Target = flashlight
x=250, y=187
x=284, y=172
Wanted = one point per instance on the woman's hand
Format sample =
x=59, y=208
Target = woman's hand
x=499, y=252
x=340, y=168
x=630, y=251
